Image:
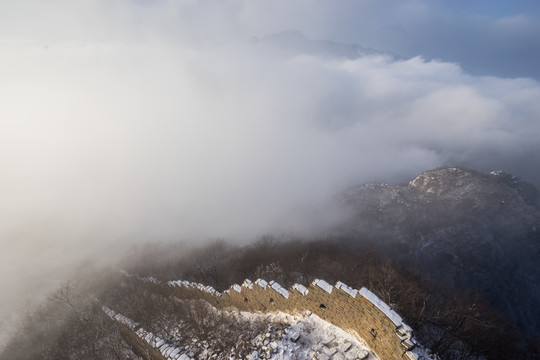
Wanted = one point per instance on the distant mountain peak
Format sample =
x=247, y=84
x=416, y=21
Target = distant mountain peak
x=291, y=34
x=294, y=42
x=462, y=227
x=443, y=178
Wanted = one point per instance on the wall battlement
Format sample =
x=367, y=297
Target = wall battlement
x=359, y=312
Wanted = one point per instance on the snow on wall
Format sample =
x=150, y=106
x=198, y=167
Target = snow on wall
x=357, y=311
x=349, y=290
x=382, y=306
x=120, y=318
x=248, y=283
x=145, y=340
x=279, y=289
x=323, y=285
x=300, y=288
x=262, y=283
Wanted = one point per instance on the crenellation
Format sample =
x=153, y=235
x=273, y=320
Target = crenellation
x=262, y=283
x=359, y=312
x=300, y=288
x=248, y=284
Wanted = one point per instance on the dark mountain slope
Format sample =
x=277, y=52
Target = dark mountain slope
x=461, y=227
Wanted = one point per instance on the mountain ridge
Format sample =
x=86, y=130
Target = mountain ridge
x=294, y=42
x=461, y=227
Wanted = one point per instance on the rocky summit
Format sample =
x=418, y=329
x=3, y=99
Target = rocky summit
x=461, y=227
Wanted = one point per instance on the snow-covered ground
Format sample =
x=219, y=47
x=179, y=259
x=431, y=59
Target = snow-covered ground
x=306, y=337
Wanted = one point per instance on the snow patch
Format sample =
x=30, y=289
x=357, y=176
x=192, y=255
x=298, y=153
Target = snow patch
x=280, y=289
x=248, y=284
x=323, y=285
x=262, y=283
x=301, y=289
x=349, y=290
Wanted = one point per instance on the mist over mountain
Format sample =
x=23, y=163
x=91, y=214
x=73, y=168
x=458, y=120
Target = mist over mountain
x=294, y=42
x=461, y=227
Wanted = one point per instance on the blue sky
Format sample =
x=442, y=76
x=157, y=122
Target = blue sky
x=499, y=38
x=493, y=8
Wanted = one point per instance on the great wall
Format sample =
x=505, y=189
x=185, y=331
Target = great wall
x=359, y=312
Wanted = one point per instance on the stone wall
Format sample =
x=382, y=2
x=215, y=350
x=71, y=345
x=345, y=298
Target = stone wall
x=142, y=342
x=139, y=346
x=359, y=312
